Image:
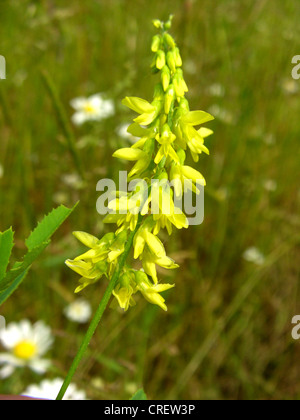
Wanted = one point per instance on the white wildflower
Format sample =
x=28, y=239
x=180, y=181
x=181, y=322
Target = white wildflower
x=253, y=255
x=94, y=108
x=25, y=344
x=49, y=389
x=78, y=311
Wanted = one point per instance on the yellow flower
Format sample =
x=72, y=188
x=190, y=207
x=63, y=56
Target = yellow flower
x=185, y=178
x=165, y=213
x=124, y=290
x=123, y=221
x=179, y=84
x=160, y=59
x=150, y=291
x=99, y=260
x=185, y=132
x=144, y=236
x=90, y=272
x=143, y=157
x=165, y=77
x=148, y=111
x=149, y=261
x=165, y=139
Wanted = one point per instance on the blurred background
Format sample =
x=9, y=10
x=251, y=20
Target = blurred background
x=227, y=332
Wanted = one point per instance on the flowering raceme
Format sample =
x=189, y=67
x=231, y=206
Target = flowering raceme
x=165, y=131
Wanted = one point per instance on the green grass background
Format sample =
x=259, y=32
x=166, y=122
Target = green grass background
x=227, y=333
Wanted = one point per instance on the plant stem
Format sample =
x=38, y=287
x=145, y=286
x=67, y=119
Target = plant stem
x=98, y=315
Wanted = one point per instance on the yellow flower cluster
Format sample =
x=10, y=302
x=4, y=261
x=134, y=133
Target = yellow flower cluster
x=166, y=130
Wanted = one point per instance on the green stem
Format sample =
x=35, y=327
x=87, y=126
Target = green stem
x=98, y=315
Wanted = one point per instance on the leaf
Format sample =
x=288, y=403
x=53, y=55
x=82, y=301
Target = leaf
x=22, y=266
x=38, y=240
x=139, y=396
x=7, y=292
x=6, y=246
x=47, y=227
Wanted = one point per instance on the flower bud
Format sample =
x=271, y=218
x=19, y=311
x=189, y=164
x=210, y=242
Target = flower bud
x=169, y=97
x=155, y=43
x=169, y=40
x=171, y=61
x=165, y=77
x=159, y=92
x=160, y=59
x=157, y=23
x=177, y=57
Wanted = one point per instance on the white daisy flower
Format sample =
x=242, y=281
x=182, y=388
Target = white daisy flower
x=94, y=108
x=49, y=389
x=25, y=344
x=253, y=255
x=78, y=311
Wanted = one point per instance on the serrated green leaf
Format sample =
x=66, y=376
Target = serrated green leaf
x=6, y=246
x=46, y=228
x=5, y=294
x=22, y=266
x=139, y=396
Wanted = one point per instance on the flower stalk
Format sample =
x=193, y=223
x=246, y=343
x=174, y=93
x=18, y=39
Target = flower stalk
x=166, y=132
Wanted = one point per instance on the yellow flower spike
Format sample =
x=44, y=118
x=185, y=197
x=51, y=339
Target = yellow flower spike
x=165, y=129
